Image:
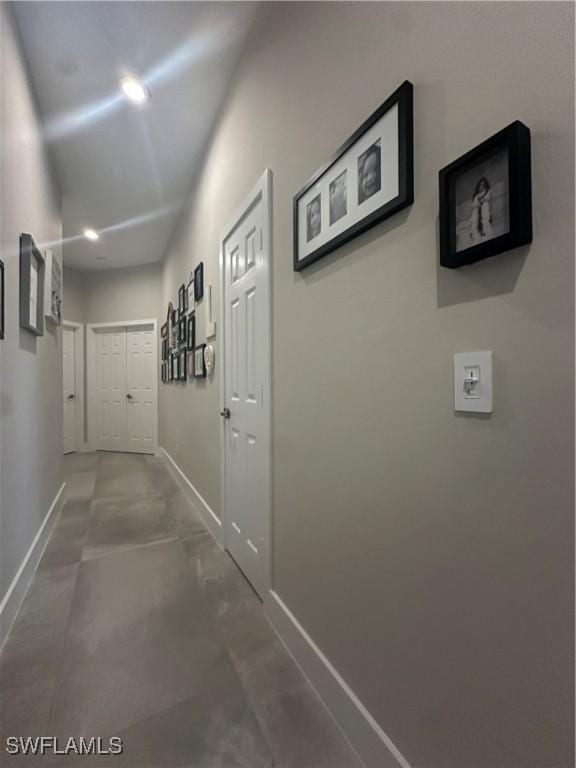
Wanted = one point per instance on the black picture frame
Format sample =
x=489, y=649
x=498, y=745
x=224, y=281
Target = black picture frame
x=403, y=98
x=2, y=300
x=164, y=331
x=513, y=141
x=182, y=329
x=175, y=316
x=164, y=349
x=183, y=365
x=163, y=374
x=199, y=282
x=190, y=293
x=182, y=296
x=29, y=255
x=175, y=361
x=199, y=363
x=191, y=340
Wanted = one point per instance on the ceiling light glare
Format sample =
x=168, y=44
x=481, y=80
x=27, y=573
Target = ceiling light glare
x=135, y=90
x=91, y=234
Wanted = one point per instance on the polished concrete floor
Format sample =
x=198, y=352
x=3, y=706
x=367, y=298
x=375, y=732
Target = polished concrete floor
x=137, y=625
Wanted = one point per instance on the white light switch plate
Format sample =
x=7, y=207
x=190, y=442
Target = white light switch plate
x=476, y=398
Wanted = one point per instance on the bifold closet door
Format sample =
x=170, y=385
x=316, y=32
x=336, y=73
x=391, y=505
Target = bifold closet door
x=110, y=390
x=140, y=391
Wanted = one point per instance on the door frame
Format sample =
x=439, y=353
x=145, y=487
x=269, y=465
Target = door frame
x=79, y=404
x=263, y=189
x=91, y=331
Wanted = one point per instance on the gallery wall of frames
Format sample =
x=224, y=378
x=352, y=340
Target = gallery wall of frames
x=184, y=356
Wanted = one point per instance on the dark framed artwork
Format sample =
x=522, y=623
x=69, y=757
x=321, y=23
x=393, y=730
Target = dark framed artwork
x=190, y=292
x=182, y=297
x=191, y=341
x=368, y=179
x=182, y=328
x=175, y=365
x=31, y=286
x=183, y=365
x=175, y=317
x=2, y=292
x=164, y=349
x=199, y=281
x=164, y=331
x=163, y=373
x=486, y=199
x=199, y=364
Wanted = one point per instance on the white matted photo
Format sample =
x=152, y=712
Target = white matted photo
x=369, y=179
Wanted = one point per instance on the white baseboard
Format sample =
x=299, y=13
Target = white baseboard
x=16, y=593
x=373, y=746
x=212, y=522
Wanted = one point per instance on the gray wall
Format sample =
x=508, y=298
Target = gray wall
x=122, y=294
x=74, y=295
x=428, y=554
x=30, y=367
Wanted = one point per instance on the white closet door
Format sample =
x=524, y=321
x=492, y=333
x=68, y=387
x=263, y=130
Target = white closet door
x=69, y=378
x=110, y=391
x=140, y=391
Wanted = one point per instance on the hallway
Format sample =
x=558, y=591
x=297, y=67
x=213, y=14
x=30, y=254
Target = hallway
x=138, y=625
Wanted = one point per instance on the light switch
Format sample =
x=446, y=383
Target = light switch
x=473, y=382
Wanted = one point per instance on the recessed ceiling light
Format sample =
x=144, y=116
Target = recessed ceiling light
x=135, y=90
x=91, y=234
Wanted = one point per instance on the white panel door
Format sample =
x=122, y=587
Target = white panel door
x=140, y=391
x=69, y=378
x=110, y=391
x=246, y=357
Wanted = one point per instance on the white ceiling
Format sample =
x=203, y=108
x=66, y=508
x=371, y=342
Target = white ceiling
x=125, y=170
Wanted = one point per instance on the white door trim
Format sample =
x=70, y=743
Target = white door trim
x=262, y=189
x=91, y=330
x=79, y=404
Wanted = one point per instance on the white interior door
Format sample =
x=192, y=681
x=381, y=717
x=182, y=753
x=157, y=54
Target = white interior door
x=246, y=256
x=123, y=388
x=140, y=391
x=110, y=394
x=70, y=394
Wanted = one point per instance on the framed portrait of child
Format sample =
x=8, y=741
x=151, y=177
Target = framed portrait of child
x=368, y=179
x=486, y=199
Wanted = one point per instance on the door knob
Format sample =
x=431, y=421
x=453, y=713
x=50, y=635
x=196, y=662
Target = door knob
x=129, y=396
x=225, y=413
x=71, y=397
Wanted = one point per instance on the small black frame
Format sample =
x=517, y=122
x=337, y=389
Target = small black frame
x=182, y=299
x=191, y=341
x=183, y=365
x=515, y=139
x=164, y=349
x=199, y=281
x=182, y=328
x=403, y=97
x=29, y=252
x=2, y=294
x=199, y=362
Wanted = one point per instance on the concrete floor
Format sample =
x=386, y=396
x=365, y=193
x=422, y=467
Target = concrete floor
x=137, y=625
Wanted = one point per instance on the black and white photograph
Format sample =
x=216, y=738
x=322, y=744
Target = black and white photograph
x=199, y=364
x=182, y=365
x=182, y=297
x=368, y=179
x=339, y=197
x=175, y=366
x=190, y=292
x=32, y=267
x=164, y=349
x=482, y=202
x=199, y=282
x=313, y=218
x=2, y=311
x=486, y=199
x=191, y=340
x=182, y=328
x=164, y=331
x=369, y=172
x=175, y=317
